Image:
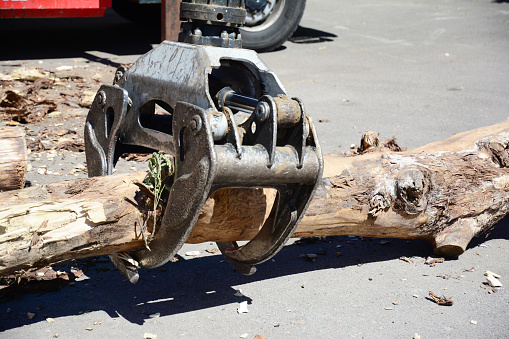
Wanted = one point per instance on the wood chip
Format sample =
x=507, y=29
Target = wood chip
x=493, y=282
x=408, y=260
x=493, y=274
x=64, y=68
x=433, y=261
x=242, y=308
x=443, y=301
x=30, y=74
x=473, y=269
x=87, y=97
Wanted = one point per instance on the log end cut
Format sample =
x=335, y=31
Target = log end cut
x=13, y=158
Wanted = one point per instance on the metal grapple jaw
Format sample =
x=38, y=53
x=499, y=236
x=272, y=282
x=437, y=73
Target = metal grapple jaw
x=227, y=122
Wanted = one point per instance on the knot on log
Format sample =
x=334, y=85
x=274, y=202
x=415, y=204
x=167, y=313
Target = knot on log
x=495, y=149
x=411, y=187
x=378, y=203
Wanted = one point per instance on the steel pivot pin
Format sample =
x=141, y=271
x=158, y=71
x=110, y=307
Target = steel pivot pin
x=262, y=111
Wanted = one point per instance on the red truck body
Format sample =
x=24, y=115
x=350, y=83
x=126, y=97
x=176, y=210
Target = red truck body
x=52, y=8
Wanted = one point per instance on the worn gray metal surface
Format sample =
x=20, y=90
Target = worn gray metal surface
x=212, y=23
x=277, y=146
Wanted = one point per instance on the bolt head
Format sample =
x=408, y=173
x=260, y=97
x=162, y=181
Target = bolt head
x=119, y=73
x=262, y=111
x=101, y=98
x=195, y=124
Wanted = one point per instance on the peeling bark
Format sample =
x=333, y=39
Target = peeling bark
x=445, y=192
x=70, y=220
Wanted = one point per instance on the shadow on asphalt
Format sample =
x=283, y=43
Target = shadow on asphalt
x=206, y=281
x=306, y=35
x=35, y=39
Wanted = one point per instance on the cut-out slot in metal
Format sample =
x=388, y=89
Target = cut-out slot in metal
x=110, y=118
x=157, y=115
x=182, y=149
x=235, y=74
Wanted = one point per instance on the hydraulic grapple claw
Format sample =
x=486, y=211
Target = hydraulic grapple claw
x=226, y=120
x=254, y=137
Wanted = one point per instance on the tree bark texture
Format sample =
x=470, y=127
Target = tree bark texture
x=70, y=220
x=13, y=158
x=445, y=192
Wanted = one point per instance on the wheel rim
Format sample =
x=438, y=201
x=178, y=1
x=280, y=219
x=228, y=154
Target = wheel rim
x=263, y=19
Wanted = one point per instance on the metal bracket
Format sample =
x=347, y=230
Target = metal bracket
x=279, y=148
x=195, y=165
x=104, y=120
x=302, y=164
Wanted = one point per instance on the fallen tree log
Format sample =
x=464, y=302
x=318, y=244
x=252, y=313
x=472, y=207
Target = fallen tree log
x=445, y=192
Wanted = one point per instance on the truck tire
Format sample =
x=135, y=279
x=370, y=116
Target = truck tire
x=266, y=28
x=265, y=32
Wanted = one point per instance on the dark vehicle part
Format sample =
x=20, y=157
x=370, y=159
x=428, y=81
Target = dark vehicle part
x=144, y=13
x=227, y=122
x=269, y=23
x=214, y=23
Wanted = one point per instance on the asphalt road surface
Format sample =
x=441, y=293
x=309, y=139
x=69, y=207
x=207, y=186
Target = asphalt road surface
x=418, y=70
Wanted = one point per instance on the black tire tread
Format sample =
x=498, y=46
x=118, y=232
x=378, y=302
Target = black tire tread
x=275, y=35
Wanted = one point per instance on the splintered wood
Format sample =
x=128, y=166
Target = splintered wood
x=69, y=220
x=445, y=192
